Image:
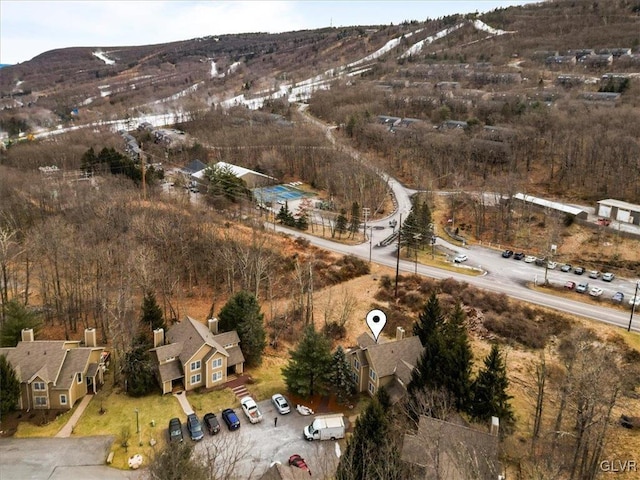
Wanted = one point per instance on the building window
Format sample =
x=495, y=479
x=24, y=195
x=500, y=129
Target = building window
x=39, y=386
x=195, y=365
x=41, y=401
x=217, y=363
x=195, y=378
x=372, y=388
x=217, y=376
x=356, y=378
x=372, y=375
x=63, y=399
x=79, y=378
x=356, y=364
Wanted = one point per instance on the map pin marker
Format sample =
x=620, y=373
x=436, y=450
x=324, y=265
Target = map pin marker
x=376, y=320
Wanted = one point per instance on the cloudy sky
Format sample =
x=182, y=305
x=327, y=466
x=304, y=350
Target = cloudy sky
x=28, y=28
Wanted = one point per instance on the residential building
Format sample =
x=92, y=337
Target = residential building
x=195, y=356
x=387, y=364
x=55, y=374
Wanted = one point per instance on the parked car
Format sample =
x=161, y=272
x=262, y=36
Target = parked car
x=566, y=267
x=175, y=430
x=540, y=261
x=529, y=259
x=281, y=404
x=518, y=256
x=461, y=258
x=231, y=419
x=250, y=409
x=211, y=423
x=618, y=297
x=637, y=302
x=608, y=276
x=578, y=270
x=195, y=427
x=605, y=222
x=582, y=287
x=596, y=291
x=507, y=254
x=551, y=265
x=594, y=274
x=297, y=461
x=570, y=285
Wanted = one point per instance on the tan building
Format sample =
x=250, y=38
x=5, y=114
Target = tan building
x=55, y=374
x=388, y=364
x=196, y=356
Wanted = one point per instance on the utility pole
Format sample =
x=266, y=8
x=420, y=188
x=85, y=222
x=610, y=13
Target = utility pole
x=144, y=183
x=398, y=255
x=633, y=306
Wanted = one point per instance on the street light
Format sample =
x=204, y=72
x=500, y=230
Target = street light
x=633, y=305
x=370, y=241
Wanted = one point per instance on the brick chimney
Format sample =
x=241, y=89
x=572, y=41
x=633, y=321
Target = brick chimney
x=213, y=325
x=27, y=335
x=158, y=337
x=399, y=333
x=90, y=338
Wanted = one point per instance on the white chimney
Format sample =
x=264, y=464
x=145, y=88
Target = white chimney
x=213, y=325
x=27, y=334
x=399, y=333
x=90, y=339
x=158, y=337
x=495, y=426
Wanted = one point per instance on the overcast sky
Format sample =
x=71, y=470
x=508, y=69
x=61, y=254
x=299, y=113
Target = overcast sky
x=28, y=28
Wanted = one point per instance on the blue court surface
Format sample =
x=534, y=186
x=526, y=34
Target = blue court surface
x=278, y=194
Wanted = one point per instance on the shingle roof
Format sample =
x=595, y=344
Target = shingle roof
x=235, y=356
x=193, y=335
x=365, y=340
x=227, y=338
x=170, y=371
x=42, y=357
x=384, y=357
x=76, y=361
x=277, y=471
x=165, y=352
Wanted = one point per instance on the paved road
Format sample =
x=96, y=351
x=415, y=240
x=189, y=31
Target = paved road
x=58, y=459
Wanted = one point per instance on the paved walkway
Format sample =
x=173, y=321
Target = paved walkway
x=67, y=430
x=184, y=403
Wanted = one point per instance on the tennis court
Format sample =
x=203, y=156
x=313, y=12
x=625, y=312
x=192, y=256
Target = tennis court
x=279, y=193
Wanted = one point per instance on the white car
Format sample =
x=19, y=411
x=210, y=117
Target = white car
x=461, y=258
x=529, y=259
x=250, y=409
x=551, y=265
x=596, y=292
x=637, y=302
x=281, y=404
x=608, y=276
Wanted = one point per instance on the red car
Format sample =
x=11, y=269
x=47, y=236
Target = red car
x=297, y=461
x=570, y=285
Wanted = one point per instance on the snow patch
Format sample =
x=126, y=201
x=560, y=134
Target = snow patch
x=104, y=58
x=480, y=25
x=234, y=66
x=416, y=47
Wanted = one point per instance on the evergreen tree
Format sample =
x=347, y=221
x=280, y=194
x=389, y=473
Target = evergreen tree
x=410, y=231
x=88, y=161
x=425, y=225
x=242, y=314
x=490, y=397
x=309, y=369
x=139, y=371
x=9, y=387
x=458, y=359
x=302, y=223
x=285, y=217
x=151, y=317
x=16, y=318
x=354, y=221
x=341, y=223
x=343, y=384
x=430, y=320
x=223, y=183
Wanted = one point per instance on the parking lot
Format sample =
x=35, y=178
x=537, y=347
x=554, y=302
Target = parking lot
x=256, y=446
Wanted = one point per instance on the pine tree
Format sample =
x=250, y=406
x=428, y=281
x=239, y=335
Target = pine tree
x=309, y=369
x=285, y=217
x=430, y=320
x=343, y=384
x=9, y=387
x=424, y=223
x=354, y=221
x=490, y=397
x=341, y=223
x=16, y=318
x=410, y=231
x=458, y=359
x=151, y=317
x=242, y=314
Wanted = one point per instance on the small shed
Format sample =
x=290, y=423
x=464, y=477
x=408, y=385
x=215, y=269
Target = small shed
x=618, y=210
x=545, y=204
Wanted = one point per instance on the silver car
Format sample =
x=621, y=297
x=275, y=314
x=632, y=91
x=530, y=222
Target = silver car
x=281, y=404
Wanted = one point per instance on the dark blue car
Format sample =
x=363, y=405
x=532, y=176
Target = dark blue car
x=231, y=419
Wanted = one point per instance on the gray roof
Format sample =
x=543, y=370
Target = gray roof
x=165, y=352
x=385, y=357
x=193, y=335
x=41, y=357
x=461, y=452
x=227, y=339
x=75, y=362
x=620, y=204
x=235, y=356
x=170, y=371
x=194, y=166
x=365, y=340
x=542, y=202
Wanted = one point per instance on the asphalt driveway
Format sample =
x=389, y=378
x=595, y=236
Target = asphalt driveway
x=58, y=458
